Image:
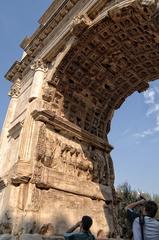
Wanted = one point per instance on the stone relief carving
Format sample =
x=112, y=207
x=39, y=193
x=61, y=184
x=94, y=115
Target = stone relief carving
x=59, y=155
x=100, y=167
x=52, y=96
x=48, y=93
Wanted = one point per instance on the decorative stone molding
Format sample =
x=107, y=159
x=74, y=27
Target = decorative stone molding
x=15, y=89
x=80, y=23
x=15, y=130
x=21, y=172
x=15, y=68
x=52, y=179
x=71, y=129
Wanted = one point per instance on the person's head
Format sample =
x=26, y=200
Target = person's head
x=150, y=208
x=86, y=223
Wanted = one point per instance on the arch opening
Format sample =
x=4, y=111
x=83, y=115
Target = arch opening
x=134, y=135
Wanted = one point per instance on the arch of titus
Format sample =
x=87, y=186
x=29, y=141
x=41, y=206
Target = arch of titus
x=84, y=60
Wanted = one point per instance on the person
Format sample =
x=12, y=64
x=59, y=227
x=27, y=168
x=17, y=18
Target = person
x=84, y=233
x=144, y=225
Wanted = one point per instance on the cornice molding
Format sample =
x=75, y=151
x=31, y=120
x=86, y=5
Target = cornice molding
x=71, y=129
x=15, y=130
x=13, y=70
x=35, y=43
x=15, y=89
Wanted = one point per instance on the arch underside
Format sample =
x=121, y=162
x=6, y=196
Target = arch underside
x=116, y=55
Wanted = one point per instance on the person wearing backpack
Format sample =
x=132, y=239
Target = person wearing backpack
x=84, y=233
x=144, y=225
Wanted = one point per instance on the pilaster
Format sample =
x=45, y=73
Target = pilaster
x=4, y=144
x=40, y=69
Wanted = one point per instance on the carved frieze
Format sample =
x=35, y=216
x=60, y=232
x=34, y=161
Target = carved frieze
x=100, y=167
x=52, y=152
x=64, y=156
x=69, y=129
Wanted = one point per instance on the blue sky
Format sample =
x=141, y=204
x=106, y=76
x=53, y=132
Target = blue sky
x=18, y=18
x=135, y=126
x=135, y=137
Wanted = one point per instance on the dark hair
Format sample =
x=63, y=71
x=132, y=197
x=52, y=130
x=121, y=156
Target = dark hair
x=151, y=208
x=86, y=222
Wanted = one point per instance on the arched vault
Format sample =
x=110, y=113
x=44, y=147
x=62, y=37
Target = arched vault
x=111, y=57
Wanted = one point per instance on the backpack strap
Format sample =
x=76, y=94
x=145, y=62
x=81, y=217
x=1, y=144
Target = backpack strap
x=142, y=222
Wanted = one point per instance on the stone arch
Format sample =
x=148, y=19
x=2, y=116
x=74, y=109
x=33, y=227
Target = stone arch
x=112, y=57
x=105, y=55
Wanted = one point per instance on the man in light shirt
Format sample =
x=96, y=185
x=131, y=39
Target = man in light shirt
x=144, y=227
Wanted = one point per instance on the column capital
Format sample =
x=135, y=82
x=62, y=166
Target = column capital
x=39, y=65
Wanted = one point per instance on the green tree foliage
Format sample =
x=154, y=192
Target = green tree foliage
x=126, y=196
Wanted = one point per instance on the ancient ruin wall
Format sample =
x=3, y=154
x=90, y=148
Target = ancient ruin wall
x=79, y=66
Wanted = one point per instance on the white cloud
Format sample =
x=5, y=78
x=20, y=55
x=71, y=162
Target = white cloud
x=157, y=119
x=149, y=96
x=144, y=133
x=153, y=108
